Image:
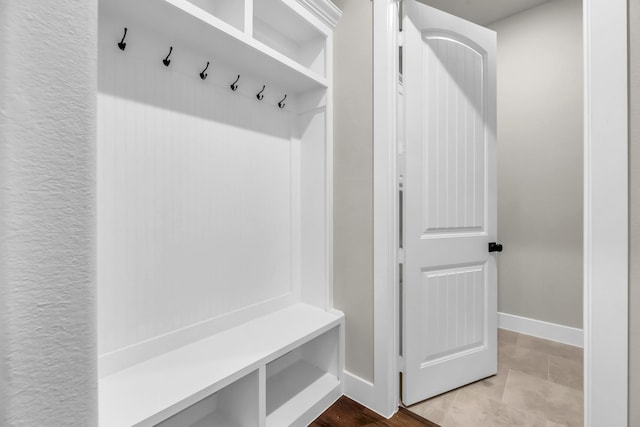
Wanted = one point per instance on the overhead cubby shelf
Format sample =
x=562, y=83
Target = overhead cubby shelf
x=279, y=26
x=232, y=12
x=218, y=36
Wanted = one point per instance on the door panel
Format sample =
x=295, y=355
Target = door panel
x=449, y=289
x=454, y=149
x=458, y=292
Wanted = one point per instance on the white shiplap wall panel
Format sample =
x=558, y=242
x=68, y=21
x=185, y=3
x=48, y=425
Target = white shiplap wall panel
x=194, y=197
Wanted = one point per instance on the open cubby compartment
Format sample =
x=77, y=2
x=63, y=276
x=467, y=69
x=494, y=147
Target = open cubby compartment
x=230, y=11
x=301, y=379
x=235, y=405
x=279, y=25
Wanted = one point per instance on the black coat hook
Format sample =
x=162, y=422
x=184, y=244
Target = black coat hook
x=122, y=44
x=166, y=61
x=260, y=95
x=234, y=85
x=281, y=104
x=203, y=75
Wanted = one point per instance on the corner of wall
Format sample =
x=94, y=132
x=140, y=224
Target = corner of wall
x=353, y=182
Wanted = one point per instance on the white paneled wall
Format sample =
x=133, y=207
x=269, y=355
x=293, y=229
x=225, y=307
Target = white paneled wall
x=314, y=217
x=194, y=194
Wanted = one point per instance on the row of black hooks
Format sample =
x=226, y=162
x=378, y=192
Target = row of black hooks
x=203, y=74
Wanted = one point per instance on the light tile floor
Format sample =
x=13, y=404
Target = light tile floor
x=539, y=384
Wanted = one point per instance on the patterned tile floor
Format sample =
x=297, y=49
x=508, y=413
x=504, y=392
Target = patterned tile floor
x=539, y=384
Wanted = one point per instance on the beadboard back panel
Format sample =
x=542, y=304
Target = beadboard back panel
x=313, y=159
x=455, y=140
x=196, y=195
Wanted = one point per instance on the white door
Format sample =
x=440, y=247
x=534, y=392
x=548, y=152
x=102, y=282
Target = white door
x=449, y=290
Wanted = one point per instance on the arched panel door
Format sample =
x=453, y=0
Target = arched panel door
x=450, y=213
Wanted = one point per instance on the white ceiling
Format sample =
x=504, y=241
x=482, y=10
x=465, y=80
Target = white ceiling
x=483, y=12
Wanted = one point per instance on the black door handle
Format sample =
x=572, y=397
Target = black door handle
x=495, y=247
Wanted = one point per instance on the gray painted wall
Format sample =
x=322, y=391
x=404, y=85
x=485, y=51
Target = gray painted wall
x=48, y=74
x=353, y=181
x=540, y=141
x=634, y=213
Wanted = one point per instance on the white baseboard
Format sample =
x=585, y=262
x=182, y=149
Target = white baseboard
x=540, y=329
x=362, y=391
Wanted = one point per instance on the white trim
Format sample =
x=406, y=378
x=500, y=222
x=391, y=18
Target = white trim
x=385, y=296
x=363, y=392
x=605, y=213
x=540, y=329
x=324, y=10
x=329, y=173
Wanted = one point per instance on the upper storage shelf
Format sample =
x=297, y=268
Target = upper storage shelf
x=278, y=25
x=230, y=11
x=218, y=28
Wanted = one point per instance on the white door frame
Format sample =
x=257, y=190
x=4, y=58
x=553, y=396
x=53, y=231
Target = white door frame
x=605, y=211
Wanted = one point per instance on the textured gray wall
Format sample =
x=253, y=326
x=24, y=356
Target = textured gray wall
x=540, y=182
x=48, y=79
x=353, y=181
x=634, y=214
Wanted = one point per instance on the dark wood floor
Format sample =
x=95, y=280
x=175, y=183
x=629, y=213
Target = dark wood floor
x=347, y=413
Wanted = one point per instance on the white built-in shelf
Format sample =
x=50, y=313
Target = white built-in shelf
x=232, y=12
x=296, y=381
x=152, y=391
x=280, y=27
x=296, y=387
x=237, y=405
x=181, y=21
x=215, y=420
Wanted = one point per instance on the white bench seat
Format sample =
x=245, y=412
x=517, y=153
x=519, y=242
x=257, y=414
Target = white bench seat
x=158, y=388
